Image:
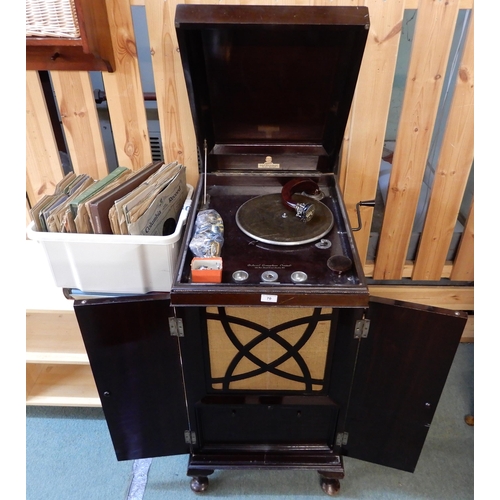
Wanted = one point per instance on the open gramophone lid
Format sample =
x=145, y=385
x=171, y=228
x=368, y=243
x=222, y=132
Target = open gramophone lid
x=266, y=219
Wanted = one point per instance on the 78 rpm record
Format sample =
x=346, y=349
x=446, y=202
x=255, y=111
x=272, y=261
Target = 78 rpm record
x=266, y=219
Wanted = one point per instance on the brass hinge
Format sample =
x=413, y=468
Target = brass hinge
x=362, y=328
x=342, y=438
x=190, y=437
x=176, y=326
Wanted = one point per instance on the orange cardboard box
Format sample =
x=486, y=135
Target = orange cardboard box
x=206, y=270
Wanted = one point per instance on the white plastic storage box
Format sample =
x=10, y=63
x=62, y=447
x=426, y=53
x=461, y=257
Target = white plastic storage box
x=110, y=263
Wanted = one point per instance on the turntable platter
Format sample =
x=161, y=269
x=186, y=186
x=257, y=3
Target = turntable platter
x=265, y=219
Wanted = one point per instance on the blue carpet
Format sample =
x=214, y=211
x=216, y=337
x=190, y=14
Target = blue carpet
x=69, y=456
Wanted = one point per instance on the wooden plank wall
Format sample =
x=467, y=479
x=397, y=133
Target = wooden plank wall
x=363, y=141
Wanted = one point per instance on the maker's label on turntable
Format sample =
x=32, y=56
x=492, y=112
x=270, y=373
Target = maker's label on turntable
x=261, y=266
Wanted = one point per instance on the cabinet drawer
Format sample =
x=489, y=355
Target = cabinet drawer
x=267, y=421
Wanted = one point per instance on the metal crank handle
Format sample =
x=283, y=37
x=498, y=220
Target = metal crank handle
x=369, y=203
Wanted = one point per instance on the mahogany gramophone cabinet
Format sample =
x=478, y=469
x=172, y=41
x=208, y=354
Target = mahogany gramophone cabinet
x=279, y=359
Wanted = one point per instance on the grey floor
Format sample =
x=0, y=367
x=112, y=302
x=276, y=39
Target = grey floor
x=69, y=456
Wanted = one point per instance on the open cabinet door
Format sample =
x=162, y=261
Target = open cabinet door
x=401, y=369
x=137, y=369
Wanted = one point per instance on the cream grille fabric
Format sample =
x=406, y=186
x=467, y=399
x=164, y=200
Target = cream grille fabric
x=268, y=348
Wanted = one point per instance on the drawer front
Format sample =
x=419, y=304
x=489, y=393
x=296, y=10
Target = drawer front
x=267, y=424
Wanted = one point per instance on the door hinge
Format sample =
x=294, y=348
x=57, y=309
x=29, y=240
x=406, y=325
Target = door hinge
x=342, y=438
x=361, y=329
x=176, y=326
x=190, y=437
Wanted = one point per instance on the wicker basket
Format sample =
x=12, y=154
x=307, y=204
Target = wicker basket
x=51, y=18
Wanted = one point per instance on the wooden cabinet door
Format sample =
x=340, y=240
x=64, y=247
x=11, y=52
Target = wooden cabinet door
x=401, y=369
x=136, y=366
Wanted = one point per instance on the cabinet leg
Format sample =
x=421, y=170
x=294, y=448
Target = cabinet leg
x=199, y=484
x=330, y=483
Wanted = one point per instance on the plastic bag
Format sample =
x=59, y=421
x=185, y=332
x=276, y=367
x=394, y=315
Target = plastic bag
x=208, y=236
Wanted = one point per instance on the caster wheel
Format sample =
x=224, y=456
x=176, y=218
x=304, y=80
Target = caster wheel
x=330, y=486
x=199, y=484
